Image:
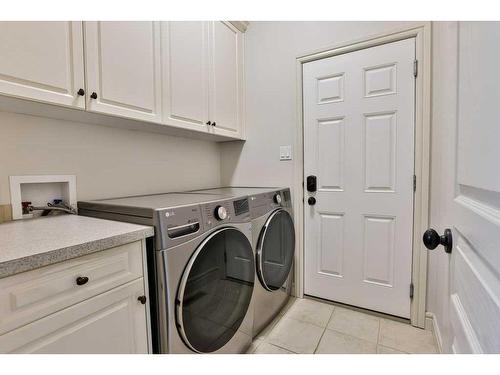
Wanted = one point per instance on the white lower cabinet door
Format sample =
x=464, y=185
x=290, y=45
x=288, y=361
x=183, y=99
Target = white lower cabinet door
x=43, y=61
x=123, y=69
x=226, y=91
x=112, y=322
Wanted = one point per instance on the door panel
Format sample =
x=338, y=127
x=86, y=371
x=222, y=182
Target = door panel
x=474, y=290
x=226, y=78
x=42, y=61
x=123, y=69
x=185, y=73
x=359, y=142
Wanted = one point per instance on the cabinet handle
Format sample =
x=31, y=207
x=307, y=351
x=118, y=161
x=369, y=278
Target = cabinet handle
x=82, y=280
x=93, y=95
x=142, y=299
x=213, y=123
x=209, y=123
x=81, y=92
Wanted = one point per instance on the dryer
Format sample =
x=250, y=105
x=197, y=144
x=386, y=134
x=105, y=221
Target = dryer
x=201, y=268
x=273, y=240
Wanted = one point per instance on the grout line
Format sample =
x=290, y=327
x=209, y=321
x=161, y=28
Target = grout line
x=323, y=333
x=319, y=341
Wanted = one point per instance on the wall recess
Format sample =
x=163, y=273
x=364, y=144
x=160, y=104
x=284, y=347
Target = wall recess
x=39, y=190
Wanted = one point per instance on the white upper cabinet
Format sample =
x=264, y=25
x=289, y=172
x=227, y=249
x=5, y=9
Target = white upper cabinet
x=169, y=76
x=124, y=69
x=185, y=59
x=226, y=79
x=42, y=61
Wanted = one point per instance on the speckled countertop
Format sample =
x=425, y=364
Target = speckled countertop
x=30, y=244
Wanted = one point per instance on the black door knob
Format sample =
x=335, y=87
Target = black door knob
x=311, y=201
x=142, y=299
x=432, y=239
x=213, y=123
x=81, y=280
x=209, y=123
x=93, y=95
x=81, y=92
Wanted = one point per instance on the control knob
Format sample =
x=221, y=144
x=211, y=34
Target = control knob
x=220, y=213
x=277, y=198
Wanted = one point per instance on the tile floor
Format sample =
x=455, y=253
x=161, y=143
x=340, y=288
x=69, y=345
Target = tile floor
x=307, y=326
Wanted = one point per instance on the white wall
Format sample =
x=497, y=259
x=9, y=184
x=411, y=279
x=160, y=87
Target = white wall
x=271, y=49
x=108, y=162
x=443, y=142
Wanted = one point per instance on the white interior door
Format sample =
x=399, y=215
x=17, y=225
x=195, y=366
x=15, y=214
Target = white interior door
x=359, y=142
x=42, y=61
x=123, y=69
x=185, y=73
x=469, y=313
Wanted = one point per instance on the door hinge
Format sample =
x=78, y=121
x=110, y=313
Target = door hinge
x=414, y=183
x=415, y=68
x=411, y=290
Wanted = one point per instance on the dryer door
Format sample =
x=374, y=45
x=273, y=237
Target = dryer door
x=215, y=291
x=275, y=250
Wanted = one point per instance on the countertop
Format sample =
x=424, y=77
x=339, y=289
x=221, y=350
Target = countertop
x=34, y=243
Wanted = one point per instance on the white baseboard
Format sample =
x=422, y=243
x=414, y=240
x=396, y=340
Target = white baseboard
x=431, y=322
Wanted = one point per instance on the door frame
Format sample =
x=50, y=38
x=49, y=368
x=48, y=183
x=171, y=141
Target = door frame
x=422, y=34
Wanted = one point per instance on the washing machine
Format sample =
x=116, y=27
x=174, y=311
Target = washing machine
x=201, y=268
x=273, y=240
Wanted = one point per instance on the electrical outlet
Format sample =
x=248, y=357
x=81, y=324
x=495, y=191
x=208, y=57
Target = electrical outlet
x=285, y=152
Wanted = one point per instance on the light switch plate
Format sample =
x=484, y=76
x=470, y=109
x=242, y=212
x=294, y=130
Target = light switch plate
x=285, y=152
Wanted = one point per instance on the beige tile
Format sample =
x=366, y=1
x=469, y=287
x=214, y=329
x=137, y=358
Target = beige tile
x=255, y=344
x=355, y=323
x=266, y=348
x=296, y=336
x=406, y=338
x=385, y=350
x=310, y=311
x=290, y=303
x=334, y=342
x=265, y=332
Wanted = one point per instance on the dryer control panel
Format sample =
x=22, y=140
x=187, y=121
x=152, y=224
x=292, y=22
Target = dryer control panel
x=261, y=204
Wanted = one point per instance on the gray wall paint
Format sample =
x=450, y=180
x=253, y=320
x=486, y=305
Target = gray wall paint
x=271, y=49
x=108, y=162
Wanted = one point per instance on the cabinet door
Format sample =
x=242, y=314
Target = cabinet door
x=185, y=74
x=42, y=61
x=226, y=79
x=123, y=69
x=112, y=322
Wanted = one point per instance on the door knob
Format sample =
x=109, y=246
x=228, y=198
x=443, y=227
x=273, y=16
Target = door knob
x=82, y=280
x=93, y=95
x=142, y=299
x=81, y=92
x=311, y=201
x=432, y=239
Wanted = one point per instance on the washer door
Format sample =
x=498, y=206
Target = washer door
x=275, y=250
x=215, y=290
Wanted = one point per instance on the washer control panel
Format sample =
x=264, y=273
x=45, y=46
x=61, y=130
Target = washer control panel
x=228, y=211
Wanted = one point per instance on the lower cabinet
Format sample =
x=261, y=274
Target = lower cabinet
x=92, y=304
x=112, y=322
